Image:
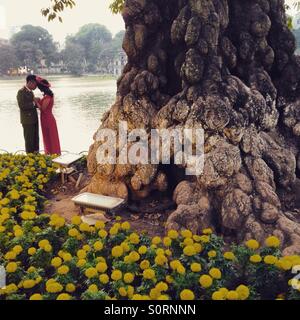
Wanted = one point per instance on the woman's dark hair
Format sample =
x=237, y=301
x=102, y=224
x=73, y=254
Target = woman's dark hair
x=44, y=88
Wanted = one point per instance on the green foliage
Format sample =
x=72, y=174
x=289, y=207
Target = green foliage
x=117, y=6
x=56, y=7
x=8, y=57
x=32, y=44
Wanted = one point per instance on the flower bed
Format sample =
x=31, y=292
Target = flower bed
x=47, y=258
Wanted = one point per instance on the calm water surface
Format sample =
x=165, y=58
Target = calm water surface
x=79, y=106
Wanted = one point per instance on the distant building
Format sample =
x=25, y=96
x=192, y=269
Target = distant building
x=54, y=68
x=116, y=66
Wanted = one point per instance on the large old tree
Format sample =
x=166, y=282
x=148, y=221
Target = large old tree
x=227, y=66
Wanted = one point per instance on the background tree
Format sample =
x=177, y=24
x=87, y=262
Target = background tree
x=93, y=38
x=8, y=57
x=33, y=44
x=74, y=58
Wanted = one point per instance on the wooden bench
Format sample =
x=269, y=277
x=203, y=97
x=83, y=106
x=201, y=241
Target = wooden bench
x=65, y=163
x=95, y=202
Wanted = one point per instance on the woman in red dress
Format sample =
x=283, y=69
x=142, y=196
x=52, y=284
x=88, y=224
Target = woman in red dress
x=48, y=122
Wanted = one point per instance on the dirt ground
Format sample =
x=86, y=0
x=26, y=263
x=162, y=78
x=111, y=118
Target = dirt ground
x=60, y=202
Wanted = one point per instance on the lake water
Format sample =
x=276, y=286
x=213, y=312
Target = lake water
x=79, y=105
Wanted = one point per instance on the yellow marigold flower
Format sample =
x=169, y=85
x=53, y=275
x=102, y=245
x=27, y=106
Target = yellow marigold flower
x=116, y=275
x=56, y=262
x=125, y=225
x=17, y=249
x=122, y=292
x=212, y=254
x=113, y=231
x=161, y=260
x=173, y=234
x=189, y=251
x=31, y=251
x=284, y=264
x=252, y=244
x=28, y=284
x=205, y=281
x=145, y=264
x=63, y=270
x=269, y=259
x=130, y=291
x=98, y=246
x=91, y=273
x=125, y=246
x=134, y=238
x=93, y=288
x=162, y=286
x=10, y=255
x=207, y=231
x=215, y=273
x=128, y=277
x=63, y=296
x=142, y=250
x=11, y=288
x=43, y=243
x=154, y=293
x=196, y=267
x=232, y=295
x=81, y=263
x=229, y=255
x=67, y=256
x=134, y=256
x=104, y=279
x=76, y=220
x=81, y=254
x=243, y=292
x=256, y=258
x=187, y=295
x=11, y=267
x=169, y=279
x=181, y=269
x=186, y=234
x=102, y=233
x=188, y=241
x=31, y=269
x=168, y=252
x=272, y=242
x=218, y=295
x=117, y=251
x=101, y=267
x=175, y=264
x=36, y=296
x=18, y=233
x=100, y=225
x=156, y=240
x=167, y=241
x=48, y=248
x=70, y=287
x=205, y=238
x=73, y=232
x=84, y=227
x=197, y=247
x=149, y=274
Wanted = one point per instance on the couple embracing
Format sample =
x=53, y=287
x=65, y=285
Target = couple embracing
x=29, y=105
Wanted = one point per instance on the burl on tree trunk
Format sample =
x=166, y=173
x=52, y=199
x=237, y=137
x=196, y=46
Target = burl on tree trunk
x=227, y=67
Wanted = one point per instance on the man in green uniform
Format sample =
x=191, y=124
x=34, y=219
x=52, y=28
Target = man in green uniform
x=29, y=116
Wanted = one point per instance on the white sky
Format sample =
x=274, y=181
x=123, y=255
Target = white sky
x=20, y=12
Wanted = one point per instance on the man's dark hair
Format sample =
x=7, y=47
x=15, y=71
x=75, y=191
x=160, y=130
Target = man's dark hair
x=30, y=78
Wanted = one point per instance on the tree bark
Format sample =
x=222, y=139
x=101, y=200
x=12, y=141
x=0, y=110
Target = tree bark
x=227, y=67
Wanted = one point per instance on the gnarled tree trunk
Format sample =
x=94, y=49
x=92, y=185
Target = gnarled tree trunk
x=227, y=67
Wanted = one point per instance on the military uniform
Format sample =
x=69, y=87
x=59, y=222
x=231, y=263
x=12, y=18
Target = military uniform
x=29, y=119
